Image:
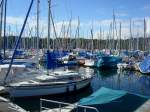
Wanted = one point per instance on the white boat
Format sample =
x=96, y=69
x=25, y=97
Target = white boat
x=122, y=66
x=89, y=63
x=55, y=83
x=32, y=59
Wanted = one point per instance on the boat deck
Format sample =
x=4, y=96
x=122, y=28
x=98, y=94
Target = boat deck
x=145, y=107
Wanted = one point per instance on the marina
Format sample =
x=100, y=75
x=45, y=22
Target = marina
x=133, y=82
x=54, y=57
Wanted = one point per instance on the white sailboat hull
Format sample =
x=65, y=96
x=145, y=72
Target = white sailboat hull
x=89, y=63
x=27, y=91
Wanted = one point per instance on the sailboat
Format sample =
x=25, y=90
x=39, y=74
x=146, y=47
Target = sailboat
x=54, y=83
x=109, y=61
x=48, y=83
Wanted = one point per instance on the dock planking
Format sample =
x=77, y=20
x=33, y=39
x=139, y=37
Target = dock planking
x=145, y=107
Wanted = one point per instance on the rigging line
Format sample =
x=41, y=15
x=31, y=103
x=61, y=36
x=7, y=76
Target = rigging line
x=19, y=38
x=53, y=24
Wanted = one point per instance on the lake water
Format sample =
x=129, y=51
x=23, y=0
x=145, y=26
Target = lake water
x=133, y=82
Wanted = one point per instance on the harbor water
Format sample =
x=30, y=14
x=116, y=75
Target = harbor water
x=130, y=81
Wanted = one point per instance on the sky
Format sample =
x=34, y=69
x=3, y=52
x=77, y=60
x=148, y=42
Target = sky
x=92, y=14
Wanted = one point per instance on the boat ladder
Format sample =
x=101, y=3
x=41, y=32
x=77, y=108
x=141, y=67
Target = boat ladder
x=65, y=107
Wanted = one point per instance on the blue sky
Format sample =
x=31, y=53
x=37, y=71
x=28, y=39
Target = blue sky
x=87, y=10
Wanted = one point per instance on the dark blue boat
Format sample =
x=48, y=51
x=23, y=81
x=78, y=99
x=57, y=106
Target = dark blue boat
x=105, y=62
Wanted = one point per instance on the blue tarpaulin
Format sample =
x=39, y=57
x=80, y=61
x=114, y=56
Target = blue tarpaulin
x=49, y=61
x=108, y=61
x=145, y=65
x=102, y=96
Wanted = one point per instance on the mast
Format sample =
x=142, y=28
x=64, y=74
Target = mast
x=5, y=12
x=110, y=36
x=1, y=18
x=137, y=41
x=49, y=24
x=77, y=34
x=78, y=31
x=55, y=34
x=61, y=38
x=113, y=28
x=100, y=38
x=37, y=39
x=133, y=35
x=67, y=33
x=130, y=40
x=92, y=46
x=144, y=42
x=120, y=35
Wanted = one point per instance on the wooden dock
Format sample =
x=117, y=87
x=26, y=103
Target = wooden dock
x=145, y=107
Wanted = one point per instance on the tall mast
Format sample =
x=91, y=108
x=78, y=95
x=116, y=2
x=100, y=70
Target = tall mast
x=113, y=28
x=1, y=18
x=5, y=12
x=49, y=24
x=130, y=40
x=92, y=46
x=137, y=41
x=144, y=42
x=120, y=35
x=37, y=40
x=77, y=34
x=110, y=36
x=71, y=47
x=78, y=31
x=67, y=33
x=53, y=24
x=100, y=38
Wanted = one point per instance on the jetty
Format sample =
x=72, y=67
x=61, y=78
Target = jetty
x=145, y=107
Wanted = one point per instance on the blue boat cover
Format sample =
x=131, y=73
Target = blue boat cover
x=108, y=61
x=145, y=65
x=19, y=52
x=50, y=62
x=102, y=96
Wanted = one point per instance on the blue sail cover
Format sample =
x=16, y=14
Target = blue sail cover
x=1, y=59
x=19, y=52
x=102, y=96
x=108, y=61
x=144, y=66
x=50, y=61
x=58, y=54
x=82, y=53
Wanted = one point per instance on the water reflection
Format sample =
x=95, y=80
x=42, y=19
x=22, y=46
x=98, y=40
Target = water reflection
x=130, y=81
